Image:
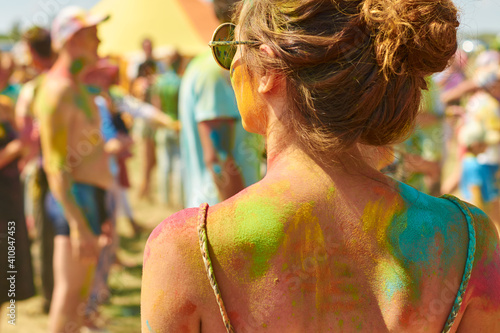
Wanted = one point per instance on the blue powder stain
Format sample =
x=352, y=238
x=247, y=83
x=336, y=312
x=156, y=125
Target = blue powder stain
x=149, y=327
x=393, y=284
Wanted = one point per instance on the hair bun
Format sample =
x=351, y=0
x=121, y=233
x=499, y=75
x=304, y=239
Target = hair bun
x=412, y=37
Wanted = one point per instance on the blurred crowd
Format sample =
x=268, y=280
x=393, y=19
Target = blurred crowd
x=186, y=128
x=455, y=147
x=69, y=123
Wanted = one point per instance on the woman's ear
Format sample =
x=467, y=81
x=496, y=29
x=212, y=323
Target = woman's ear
x=268, y=81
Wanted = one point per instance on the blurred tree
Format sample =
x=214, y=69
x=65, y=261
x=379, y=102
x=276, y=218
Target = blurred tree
x=15, y=32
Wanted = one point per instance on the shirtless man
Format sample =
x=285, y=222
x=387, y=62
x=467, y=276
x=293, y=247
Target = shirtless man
x=76, y=165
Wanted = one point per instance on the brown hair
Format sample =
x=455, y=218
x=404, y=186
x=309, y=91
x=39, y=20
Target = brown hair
x=39, y=40
x=354, y=69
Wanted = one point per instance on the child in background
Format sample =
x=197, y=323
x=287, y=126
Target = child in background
x=477, y=182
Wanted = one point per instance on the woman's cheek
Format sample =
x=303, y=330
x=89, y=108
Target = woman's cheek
x=249, y=104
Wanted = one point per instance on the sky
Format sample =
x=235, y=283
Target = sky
x=477, y=16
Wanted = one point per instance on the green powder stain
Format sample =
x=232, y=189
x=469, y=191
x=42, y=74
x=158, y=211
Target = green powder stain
x=294, y=303
x=331, y=193
x=83, y=101
x=352, y=290
x=341, y=323
x=76, y=66
x=261, y=230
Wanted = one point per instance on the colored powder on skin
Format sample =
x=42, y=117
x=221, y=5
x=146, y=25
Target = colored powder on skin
x=427, y=240
x=149, y=327
x=187, y=309
x=341, y=323
x=383, y=219
x=305, y=242
x=342, y=269
x=87, y=282
x=82, y=101
x=159, y=301
x=331, y=193
x=352, y=290
x=76, y=66
x=392, y=278
x=261, y=229
x=245, y=87
x=377, y=219
x=56, y=156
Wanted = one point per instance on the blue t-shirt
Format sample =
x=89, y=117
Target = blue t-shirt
x=475, y=174
x=206, y=94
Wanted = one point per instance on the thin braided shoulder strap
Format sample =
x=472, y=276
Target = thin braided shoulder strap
x=468, y=264
x=202, y=234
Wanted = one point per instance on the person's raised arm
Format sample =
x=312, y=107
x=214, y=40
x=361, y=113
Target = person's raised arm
x=138, y=109
x=55, y=123
x=455, y=94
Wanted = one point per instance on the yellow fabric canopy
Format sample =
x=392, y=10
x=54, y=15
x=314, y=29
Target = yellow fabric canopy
x=184, y=24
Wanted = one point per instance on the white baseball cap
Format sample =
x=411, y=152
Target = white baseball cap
x=69, y=21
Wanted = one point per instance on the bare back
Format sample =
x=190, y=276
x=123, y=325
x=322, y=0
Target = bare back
x=305, y=255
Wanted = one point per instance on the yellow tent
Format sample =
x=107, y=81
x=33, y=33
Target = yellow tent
x=184, y=24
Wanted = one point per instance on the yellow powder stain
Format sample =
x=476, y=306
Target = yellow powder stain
x=159, y=301
x=89, y=277
x=249, y=102
x=331, y=193
x=377, y=218
x=304, y=241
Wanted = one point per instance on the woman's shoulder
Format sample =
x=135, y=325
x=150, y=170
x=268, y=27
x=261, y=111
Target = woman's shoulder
x=483, y=294
x=175, y=231
x=468, y=227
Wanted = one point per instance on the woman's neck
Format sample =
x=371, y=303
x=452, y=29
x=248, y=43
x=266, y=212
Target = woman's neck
x=284, y=153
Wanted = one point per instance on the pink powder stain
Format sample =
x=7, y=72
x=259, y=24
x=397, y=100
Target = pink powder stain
x=177, y=220
x=147, y=252
x=187, y=309
x=235, y=318
x=486, y=272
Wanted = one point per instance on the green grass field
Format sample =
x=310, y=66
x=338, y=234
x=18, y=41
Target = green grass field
x=122, y=312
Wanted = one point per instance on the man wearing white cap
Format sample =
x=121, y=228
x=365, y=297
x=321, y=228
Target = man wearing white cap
x=76, y=165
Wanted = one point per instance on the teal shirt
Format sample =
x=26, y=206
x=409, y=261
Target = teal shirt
x=206, y=94
x=12, y=91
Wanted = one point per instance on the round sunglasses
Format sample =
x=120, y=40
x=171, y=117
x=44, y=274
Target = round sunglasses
x=224, y=46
